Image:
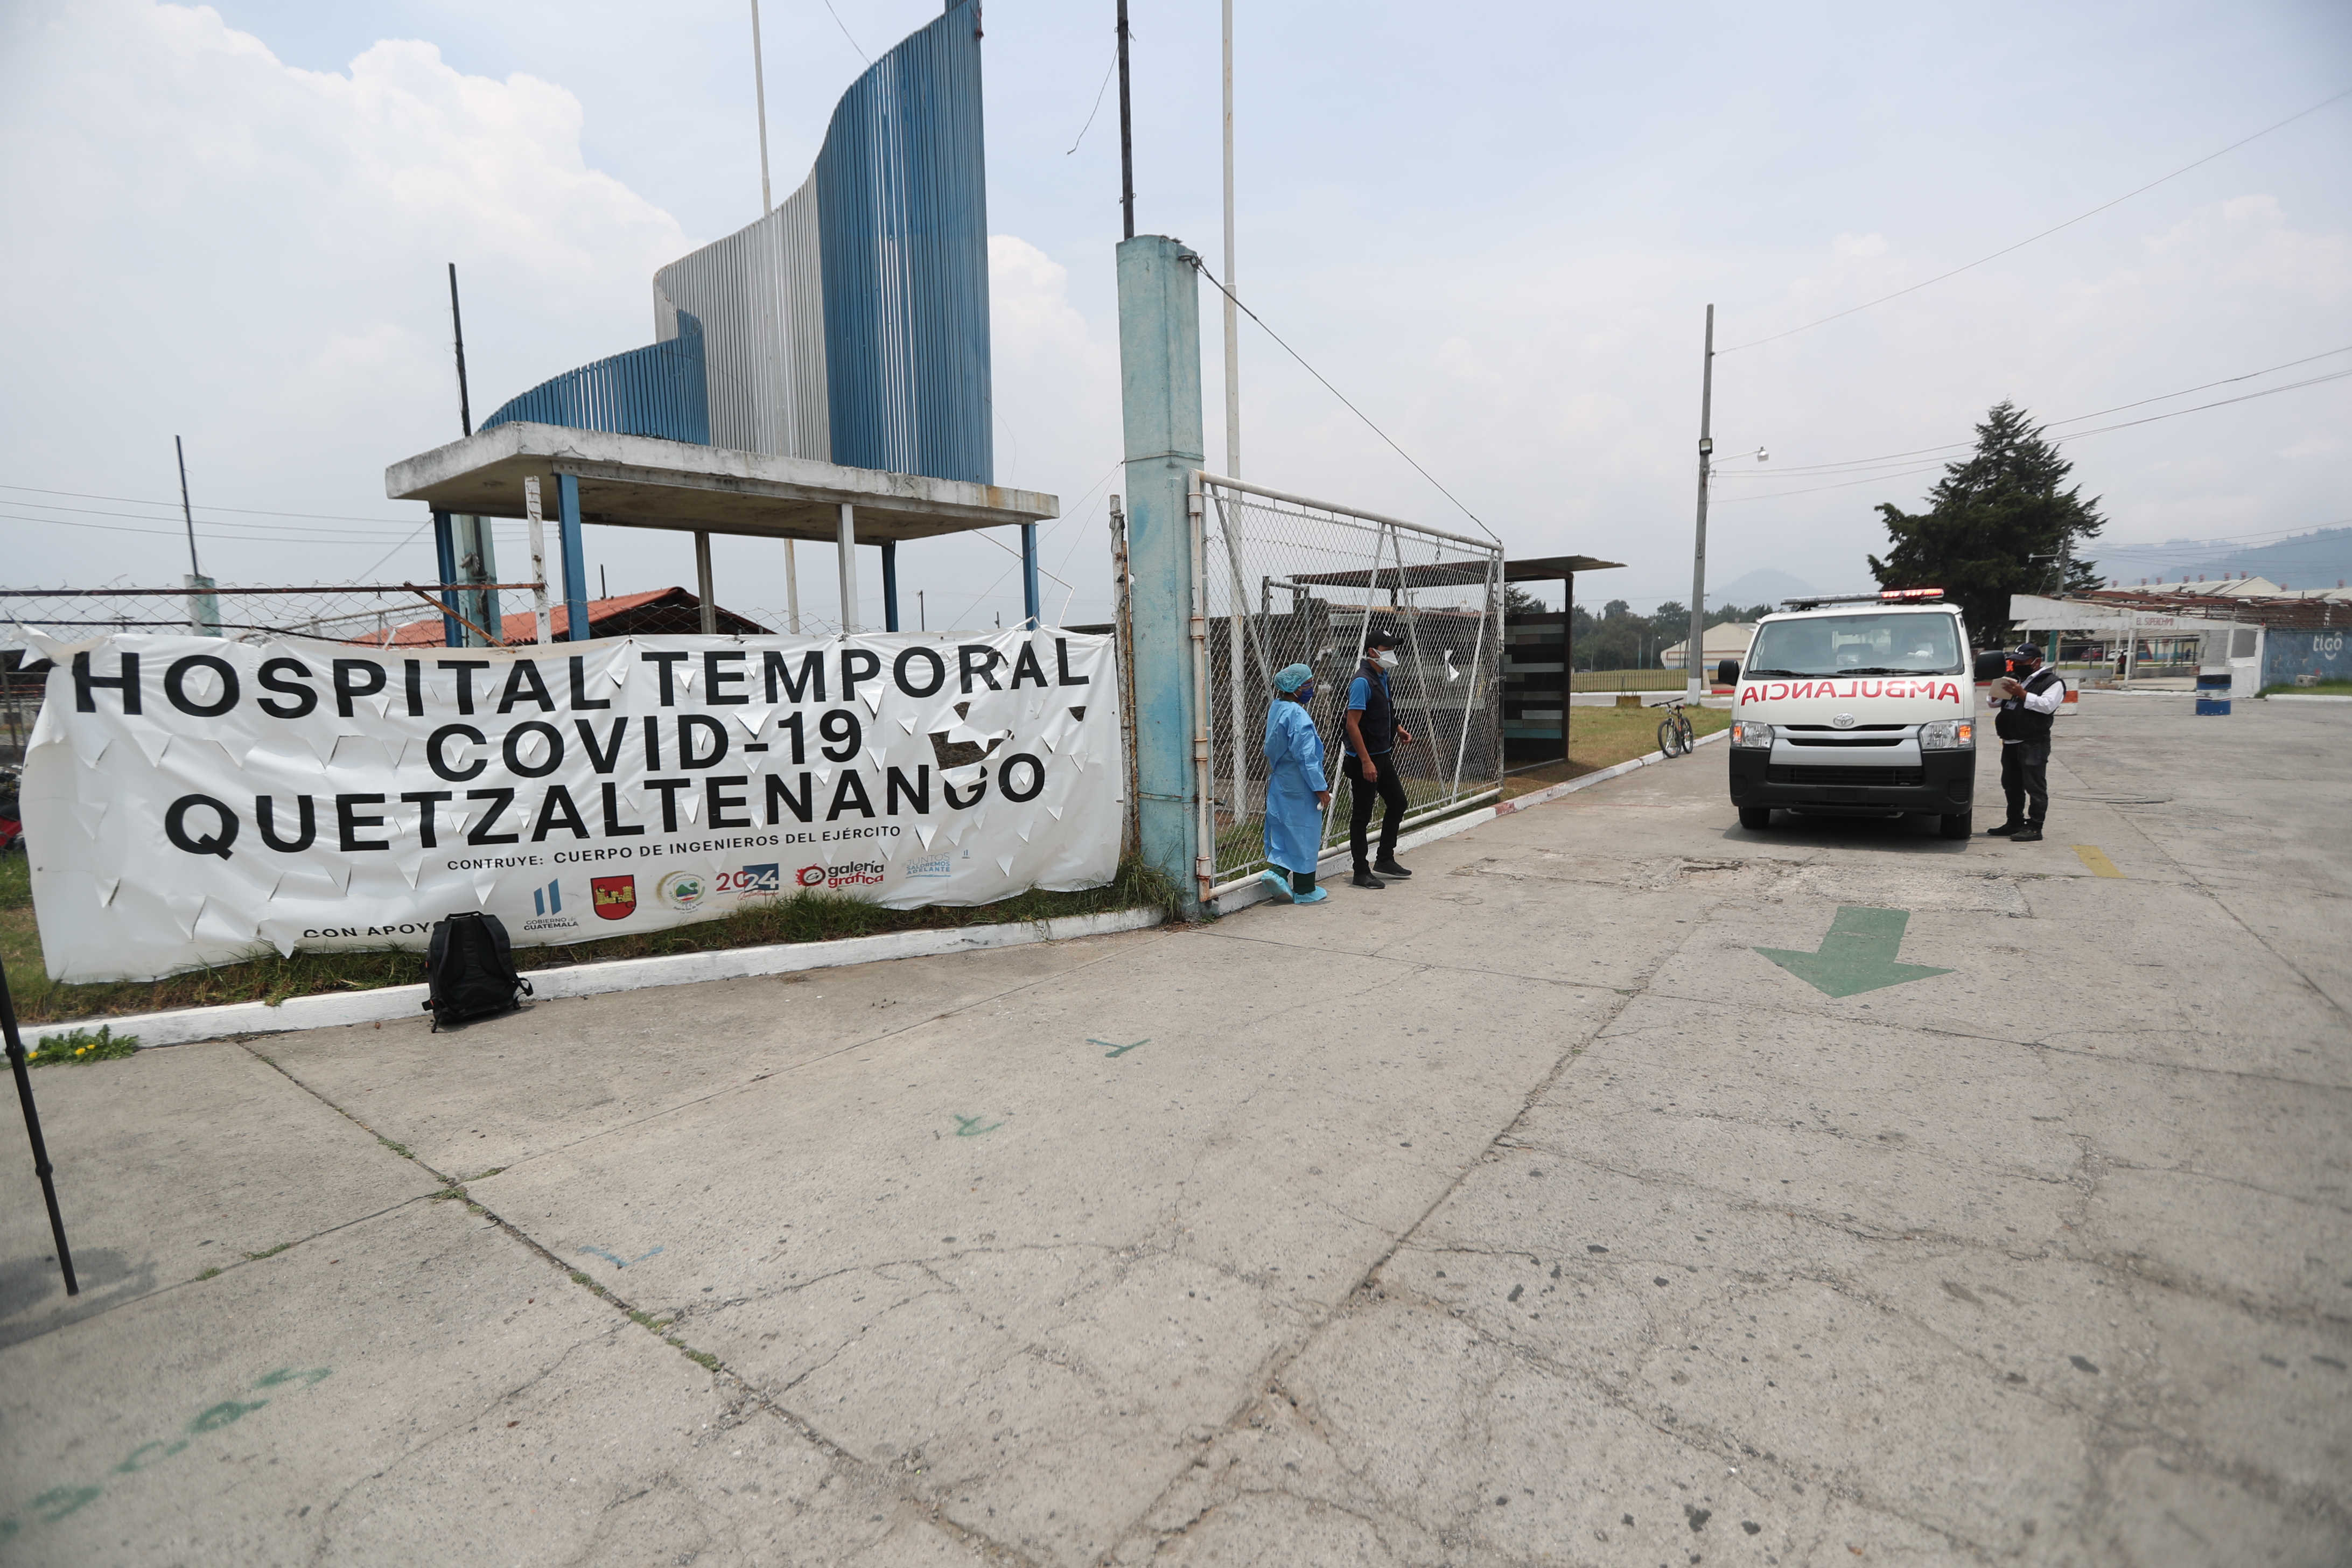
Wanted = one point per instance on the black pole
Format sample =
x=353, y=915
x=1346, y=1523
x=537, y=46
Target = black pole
x=465, y=408
x=1126, y=132
x=187, y=513
x=41, y=1166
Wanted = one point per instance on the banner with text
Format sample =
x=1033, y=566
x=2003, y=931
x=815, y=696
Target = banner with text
x=187, y=799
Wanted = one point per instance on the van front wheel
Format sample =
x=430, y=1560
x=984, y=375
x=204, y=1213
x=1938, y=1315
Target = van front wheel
x=1954, y=826
x=1757, y=817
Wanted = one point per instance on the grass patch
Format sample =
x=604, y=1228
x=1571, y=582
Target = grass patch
x=399, y=1149
x=77, y=1045
x=267, y=976
x=647, y=1321
x=2325, y=688
x=702, y=1359
x=1627, y=680
x=268, y=1252
x=209, y=1274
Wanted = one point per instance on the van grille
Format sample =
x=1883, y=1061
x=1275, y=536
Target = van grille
x=1812, y=775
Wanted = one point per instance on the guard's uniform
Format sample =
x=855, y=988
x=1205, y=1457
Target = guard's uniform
x=1369, y=695
x=2023, y=725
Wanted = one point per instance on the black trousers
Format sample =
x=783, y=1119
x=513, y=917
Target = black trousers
x=2025, y=779
x=1390, y=792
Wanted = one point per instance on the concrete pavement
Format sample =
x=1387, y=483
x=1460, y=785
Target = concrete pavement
x=1521, y=1214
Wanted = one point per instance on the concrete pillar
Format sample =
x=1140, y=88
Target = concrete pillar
x=1159, y=374
x=575, y=557
x=445, y=550
x=702, y=587
x=1029, y=575
x=845, y=545
x=889, y=585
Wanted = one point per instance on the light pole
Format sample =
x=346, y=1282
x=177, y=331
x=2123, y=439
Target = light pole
x=1695, y=650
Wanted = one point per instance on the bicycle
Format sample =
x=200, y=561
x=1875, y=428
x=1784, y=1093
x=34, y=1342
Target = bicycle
x=1675, y=736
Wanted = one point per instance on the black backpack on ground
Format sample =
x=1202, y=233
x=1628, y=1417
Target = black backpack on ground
x=469, y=969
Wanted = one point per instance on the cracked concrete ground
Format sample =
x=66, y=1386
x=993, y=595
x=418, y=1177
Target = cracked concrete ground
x=1523, y=1214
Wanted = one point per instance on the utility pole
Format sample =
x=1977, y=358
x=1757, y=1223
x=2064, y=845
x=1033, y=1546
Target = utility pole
x=1126, y=133
x=1233, y=317
x=204, y=605
x=759, y=93
x=767, y=205
x=1693, y=656
x=187, y=513
x=458, y=324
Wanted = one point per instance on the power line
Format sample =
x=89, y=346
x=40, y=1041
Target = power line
x=174, y=505
x=210, y=532
x=844, y=32
x=2046, y=233
x=1204, y=269
x=2057, y=440
x=1089, y=125
x=209, y=522
x=1852, y=463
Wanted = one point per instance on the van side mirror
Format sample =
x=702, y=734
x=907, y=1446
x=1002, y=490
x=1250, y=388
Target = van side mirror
x=1727, y=672
x=1991, y=666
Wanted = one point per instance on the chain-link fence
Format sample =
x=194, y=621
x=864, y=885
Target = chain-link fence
x=1292, y=581
x=382, y=614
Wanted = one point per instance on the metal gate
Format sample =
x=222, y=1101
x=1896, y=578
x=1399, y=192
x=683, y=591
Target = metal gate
x=1286, y=579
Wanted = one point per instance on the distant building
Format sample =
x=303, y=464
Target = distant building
x=1728, y=640
x=662, y=610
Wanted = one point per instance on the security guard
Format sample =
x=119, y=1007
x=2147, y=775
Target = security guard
x=2029, y=709
x=1374, y=735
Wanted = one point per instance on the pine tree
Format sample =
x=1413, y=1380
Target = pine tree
x=1997, y=523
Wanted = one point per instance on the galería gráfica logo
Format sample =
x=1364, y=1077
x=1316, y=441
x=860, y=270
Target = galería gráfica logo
x=856, y=873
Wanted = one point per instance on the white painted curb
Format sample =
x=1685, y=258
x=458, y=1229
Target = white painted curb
x=339, y=1009
x=1250, y=893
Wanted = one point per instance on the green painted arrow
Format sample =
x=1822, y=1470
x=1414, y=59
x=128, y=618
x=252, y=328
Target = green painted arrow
x=1857, y=955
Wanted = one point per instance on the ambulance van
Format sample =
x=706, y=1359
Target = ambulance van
x=1861, y=706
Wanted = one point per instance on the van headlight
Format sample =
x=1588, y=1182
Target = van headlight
x=1948, y=735
x=1752, y=736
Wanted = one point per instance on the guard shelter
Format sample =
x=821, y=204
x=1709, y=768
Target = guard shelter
x=644, y=481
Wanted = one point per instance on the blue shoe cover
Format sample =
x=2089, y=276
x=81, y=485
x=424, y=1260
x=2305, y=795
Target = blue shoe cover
x=1312, y=895
x=1278, y=882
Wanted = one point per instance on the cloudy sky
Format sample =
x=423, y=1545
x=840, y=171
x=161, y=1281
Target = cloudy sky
x=1496, y=227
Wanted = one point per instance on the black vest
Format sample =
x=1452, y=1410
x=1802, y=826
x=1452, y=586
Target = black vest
x=1379, y=721
x=2018, y=723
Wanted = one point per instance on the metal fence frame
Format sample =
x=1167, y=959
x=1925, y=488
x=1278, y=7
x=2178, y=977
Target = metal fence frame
x=1247, y=656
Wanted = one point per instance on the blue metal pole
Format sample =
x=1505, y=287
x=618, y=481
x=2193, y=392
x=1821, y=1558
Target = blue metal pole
x=1029, y=575
x=575, y=560
x=1159, y=374
x=889, y=585
x=444, y=552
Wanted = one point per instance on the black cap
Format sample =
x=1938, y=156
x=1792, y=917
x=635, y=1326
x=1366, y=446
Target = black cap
x=1382, y=639
x=2028, y=650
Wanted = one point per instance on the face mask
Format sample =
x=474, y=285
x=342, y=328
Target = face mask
x=1306, y=692
x=1386, y=659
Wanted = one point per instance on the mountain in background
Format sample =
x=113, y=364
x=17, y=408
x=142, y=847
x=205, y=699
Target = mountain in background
x=1765, y=586
x=2318, y=560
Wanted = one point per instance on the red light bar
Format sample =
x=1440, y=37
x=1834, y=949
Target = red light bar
x=1910, y=593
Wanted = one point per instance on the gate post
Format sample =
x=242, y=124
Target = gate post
x=1159, y=375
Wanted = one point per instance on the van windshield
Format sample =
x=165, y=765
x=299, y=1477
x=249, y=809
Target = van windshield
x=1910, y=644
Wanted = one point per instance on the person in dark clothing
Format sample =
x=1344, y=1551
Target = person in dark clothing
x=1373, y=736
x=2029, y=710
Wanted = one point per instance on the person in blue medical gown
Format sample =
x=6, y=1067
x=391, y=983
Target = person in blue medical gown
x=1295, y=796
